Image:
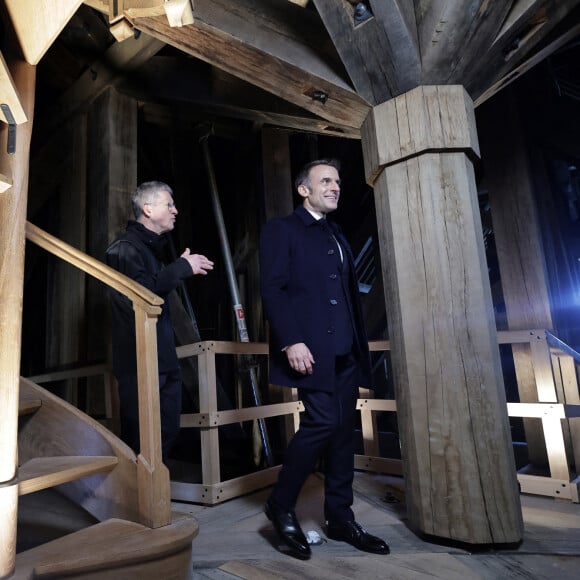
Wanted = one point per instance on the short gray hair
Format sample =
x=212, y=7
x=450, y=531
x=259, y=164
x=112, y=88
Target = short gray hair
x=146, y=193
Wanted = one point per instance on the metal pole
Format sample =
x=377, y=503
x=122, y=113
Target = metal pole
x=233, y=284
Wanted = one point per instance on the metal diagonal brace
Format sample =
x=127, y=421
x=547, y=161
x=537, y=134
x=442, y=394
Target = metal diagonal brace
x=11, y=146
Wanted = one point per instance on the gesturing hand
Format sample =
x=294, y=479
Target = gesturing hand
x=199, y=263
x=300, y=358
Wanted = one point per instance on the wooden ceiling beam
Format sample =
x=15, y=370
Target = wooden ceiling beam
x=119, y=59
x=530, y=25
x=528, y=64
x=184, y=84
x=454, y=35
x=218, y=119
x=9, y=96
x=271, y=46
x=519, y=12
x=380, y=53
x=400, y=23
x=38, y=22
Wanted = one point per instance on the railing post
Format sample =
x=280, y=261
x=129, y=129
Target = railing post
x=571, y=396
x=210, y=453
x=546, y=386
x=152, y=475
x=368, y=426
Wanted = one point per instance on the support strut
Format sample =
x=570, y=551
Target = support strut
x=237, y=306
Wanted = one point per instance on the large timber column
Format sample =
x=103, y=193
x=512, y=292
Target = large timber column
x=459, y=467
x=12, y=241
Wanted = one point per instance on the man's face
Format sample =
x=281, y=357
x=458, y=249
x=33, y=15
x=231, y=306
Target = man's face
x=324, y=191
x=160, y=213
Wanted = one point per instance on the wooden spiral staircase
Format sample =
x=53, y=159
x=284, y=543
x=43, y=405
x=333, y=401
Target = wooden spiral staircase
x=128, y=496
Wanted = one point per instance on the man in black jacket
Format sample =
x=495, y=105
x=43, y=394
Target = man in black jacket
x=138, y=253
x=319, y=345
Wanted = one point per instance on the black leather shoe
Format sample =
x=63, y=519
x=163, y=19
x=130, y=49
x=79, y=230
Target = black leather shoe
x=357, y=536
x=289, y=531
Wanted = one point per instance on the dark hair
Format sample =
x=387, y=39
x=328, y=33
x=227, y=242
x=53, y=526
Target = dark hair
x=303, y=177
x=146, y=193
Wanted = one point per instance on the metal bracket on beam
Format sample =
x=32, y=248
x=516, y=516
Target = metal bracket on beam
x=11, y=147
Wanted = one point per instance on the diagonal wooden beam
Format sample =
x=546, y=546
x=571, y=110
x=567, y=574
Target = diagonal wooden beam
x=528, y=64
x=380, y=54
x=453, y=36
x=266, y=44
x=400, y=23
x=38, y=22
x=9, y=95
x=197, y=90
x=528, y=24
x=120, y=58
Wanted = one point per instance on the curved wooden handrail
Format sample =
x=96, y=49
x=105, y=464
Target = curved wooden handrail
x=138, y=294
x=153, y=487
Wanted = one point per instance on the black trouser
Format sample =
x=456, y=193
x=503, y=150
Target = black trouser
x=326, y=432
x=169, y=404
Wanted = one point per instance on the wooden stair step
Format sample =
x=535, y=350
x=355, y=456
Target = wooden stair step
x=28, y=406
x=44, y=472
x=106, y=546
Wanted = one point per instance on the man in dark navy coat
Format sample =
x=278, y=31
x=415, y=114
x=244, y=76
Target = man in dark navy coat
x=317, y=344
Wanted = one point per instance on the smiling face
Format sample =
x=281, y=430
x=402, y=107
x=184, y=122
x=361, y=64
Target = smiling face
x=160, y=213
x=321, y=194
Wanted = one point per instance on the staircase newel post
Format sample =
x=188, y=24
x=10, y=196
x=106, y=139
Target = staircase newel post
x=153, y=476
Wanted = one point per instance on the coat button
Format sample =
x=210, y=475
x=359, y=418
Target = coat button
x=330, y=252
x=333, y=276
x=330, y=330
x=334, y=302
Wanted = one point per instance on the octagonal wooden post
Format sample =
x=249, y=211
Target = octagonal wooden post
x=459, y=466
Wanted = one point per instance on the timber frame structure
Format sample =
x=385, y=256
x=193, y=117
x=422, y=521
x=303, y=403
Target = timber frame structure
x=422, y=89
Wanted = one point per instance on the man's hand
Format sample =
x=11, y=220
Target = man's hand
x=300, y=358
x=199, y=264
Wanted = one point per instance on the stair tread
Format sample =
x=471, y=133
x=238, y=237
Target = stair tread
x=107, y=545
x=27, y=406
x=44, y=472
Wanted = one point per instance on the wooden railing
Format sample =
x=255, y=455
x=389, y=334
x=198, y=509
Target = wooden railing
x=212, y=489
x=558, y=400
x=152, y=476
x=72, y=374
x=557, y=407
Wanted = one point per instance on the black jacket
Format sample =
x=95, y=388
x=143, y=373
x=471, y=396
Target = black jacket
x=137, y=253
x=300, y=284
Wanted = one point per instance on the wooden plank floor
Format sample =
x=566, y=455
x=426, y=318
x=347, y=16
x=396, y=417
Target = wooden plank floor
x=237, y=541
